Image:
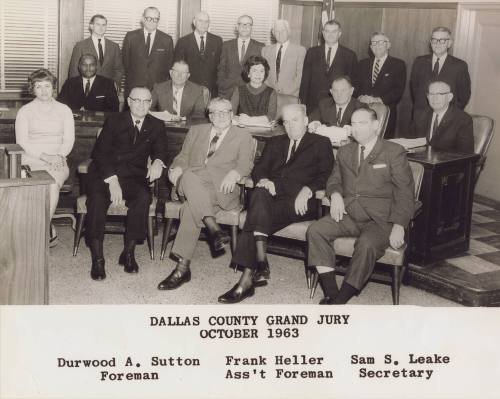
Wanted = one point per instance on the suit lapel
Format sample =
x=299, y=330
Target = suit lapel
x=377, y=148
x=447, y=119
x=382, y=70
x=347, y=112
x=185, y=95
x=144, y=132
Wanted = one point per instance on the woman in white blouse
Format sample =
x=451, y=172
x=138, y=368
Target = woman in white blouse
x=45, y=129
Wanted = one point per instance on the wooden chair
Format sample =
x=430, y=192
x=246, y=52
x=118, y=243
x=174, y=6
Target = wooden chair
x=383, y=113
x=483, y=134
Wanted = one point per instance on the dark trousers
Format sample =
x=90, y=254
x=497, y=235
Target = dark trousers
x=137, y=196
x=266, y=214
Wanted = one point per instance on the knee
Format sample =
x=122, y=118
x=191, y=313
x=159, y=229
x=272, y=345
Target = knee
x=365, y=245
x=259, y=195
x=314, y=231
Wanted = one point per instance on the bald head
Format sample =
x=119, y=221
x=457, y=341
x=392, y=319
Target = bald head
x=201, y=22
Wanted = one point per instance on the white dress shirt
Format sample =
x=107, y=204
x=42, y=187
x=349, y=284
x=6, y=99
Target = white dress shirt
x=85, y=82
x=153, y=34
x=442, y=59
x=334, y=51
x=95, y=40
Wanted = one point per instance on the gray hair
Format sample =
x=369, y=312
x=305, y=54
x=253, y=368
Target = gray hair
x=295, y=107
x=442, y=29
x=283, y=22
x=219, y=100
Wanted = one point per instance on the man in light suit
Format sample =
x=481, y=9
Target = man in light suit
x=188, y=100
x=89, y=91
x=147, y=53
x=212, y=160
x=324, y=63
x=235, y=52
x=382, y=79
x=439, y=66
x=201, y=50
x=104, y=50
x=291, y=169
x=371, y=192
x=285, y=60
x=445, y=126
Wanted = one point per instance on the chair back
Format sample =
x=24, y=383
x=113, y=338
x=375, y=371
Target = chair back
x=417, y=171
x=206, y=95
x=383, y=112
x=483, y=134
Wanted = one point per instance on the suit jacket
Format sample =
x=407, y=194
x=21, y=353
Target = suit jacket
x=102, y=95
x=192, y=102
x=384, y=186
x=389, y=86
x=288, y=82
x=202, y=69
x=317, y=80
x=111, y=68
x=310, y=165
x=115, y=153
x=326, y=112
x=454, y=72
x=236, y=152
x=454, y=132
x=144, y=70
x=229, y=69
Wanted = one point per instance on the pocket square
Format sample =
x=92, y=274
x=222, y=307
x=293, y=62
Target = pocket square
x=379, y=166
x=100, y=96
x=386, y=74
x=160, y=49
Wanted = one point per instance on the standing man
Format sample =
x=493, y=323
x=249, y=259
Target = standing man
x=323, y=64
x=285, y=60
x=235, y=52
x=371, y=193
x=439, y=66
x=382, y=79
x=89, y=91
x=201, y=50
x=147, y=53
x=212, y=160
x=107, y=52
x=120, y=173
x=292, y=168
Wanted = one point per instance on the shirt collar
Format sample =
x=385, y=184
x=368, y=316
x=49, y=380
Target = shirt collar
x=222, y=135
x=381, y=59
x=146, y=33
x=441, y=59
x=441, y=114
x=369, y=146
x=334, y=47
x=91, y=80
x=285, y=45
x=139, y=119
x=198, y=36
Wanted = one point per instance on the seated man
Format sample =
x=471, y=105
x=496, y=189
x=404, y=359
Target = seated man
x=89, y=91
x=333, y=113
x=371, y=193
x=119, y=172
x=179, y=97
x=212, y=160
x=290, y=170
x=445, y=126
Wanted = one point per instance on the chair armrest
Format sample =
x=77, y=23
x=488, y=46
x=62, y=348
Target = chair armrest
x=83, y=167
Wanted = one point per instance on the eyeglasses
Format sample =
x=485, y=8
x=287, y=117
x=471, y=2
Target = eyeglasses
x=248, y=25
x=151, y=19
x=438, y=94
x=440, y=41
x=221, y=114
x=378, y=42
x=139, y=101
x=179, y=72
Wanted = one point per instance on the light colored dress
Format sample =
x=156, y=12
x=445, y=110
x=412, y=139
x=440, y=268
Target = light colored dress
x=45, y=127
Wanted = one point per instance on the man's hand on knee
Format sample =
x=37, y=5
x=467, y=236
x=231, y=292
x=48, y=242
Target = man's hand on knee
x=116, y=191
x=397, y=237
x=155, y=170
x=301, y=200
x=229, y=182
x=337, y=207
x=268, y=185
x=174, y=174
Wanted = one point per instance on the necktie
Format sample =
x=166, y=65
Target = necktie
x=292, y=152
x=202, y=46
x=213, y=144
x=175, y=103
x=328, y=58
x=278, y=62
x=136, y=130
x=435, y=70
x=376, y=70
x=242, y=55
x=101, y=53
x=361, y=157
x=148, y=43
x=339, y=117
x=87, y=87
x=435, y=125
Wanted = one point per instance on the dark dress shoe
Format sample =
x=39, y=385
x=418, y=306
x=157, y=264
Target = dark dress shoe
x=97, y=272
x=220, y=239
x=127, y=259
x=262, y=272
x=175, y=280
x=236, y=294
x=327, y=300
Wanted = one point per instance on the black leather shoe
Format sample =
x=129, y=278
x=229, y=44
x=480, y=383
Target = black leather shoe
x=97, y=272
x=175, y=280
x=262, y=272
x=236, y=294
x=127, y=259
x=327, y=300
x=220, y=239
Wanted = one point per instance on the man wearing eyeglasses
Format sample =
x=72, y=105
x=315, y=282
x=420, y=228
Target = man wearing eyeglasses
x=381, y=79
x=235, y=52
x=119, y=174
x=213, y=159
x=445, y=125
x=147, y=53
x=439, y=66
x=178, y=96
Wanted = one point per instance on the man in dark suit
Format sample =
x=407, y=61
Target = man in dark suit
x=147, y=53
x=201, y=50
x=382, y=79
x=323, y=64
x=371, y=192
x=445, y=126
x=291, y=169
x=89, y=91
x=119, y=173
x=235, y=52
x=178, y=96
x=439, y=66
x=104, y=50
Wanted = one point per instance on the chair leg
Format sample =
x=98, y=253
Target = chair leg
x=234, y=238
x=151, y=238
x=78, y=232
x=167, y=227
x=314, y=283
x=396, y=281
x=309, y=275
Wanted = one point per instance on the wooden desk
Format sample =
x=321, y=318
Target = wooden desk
x=443, y=227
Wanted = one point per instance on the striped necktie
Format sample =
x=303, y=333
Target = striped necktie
x=339, y=117
x=175, y=102
x=202, y=46
x=361, y=157
x=87, y=87
x=376, y=71
x=213, y=144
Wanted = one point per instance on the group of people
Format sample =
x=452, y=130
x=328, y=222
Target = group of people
x=369, y=184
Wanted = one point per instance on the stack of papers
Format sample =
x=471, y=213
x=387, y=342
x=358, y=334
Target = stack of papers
x=167, y=116
x=410, y=143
